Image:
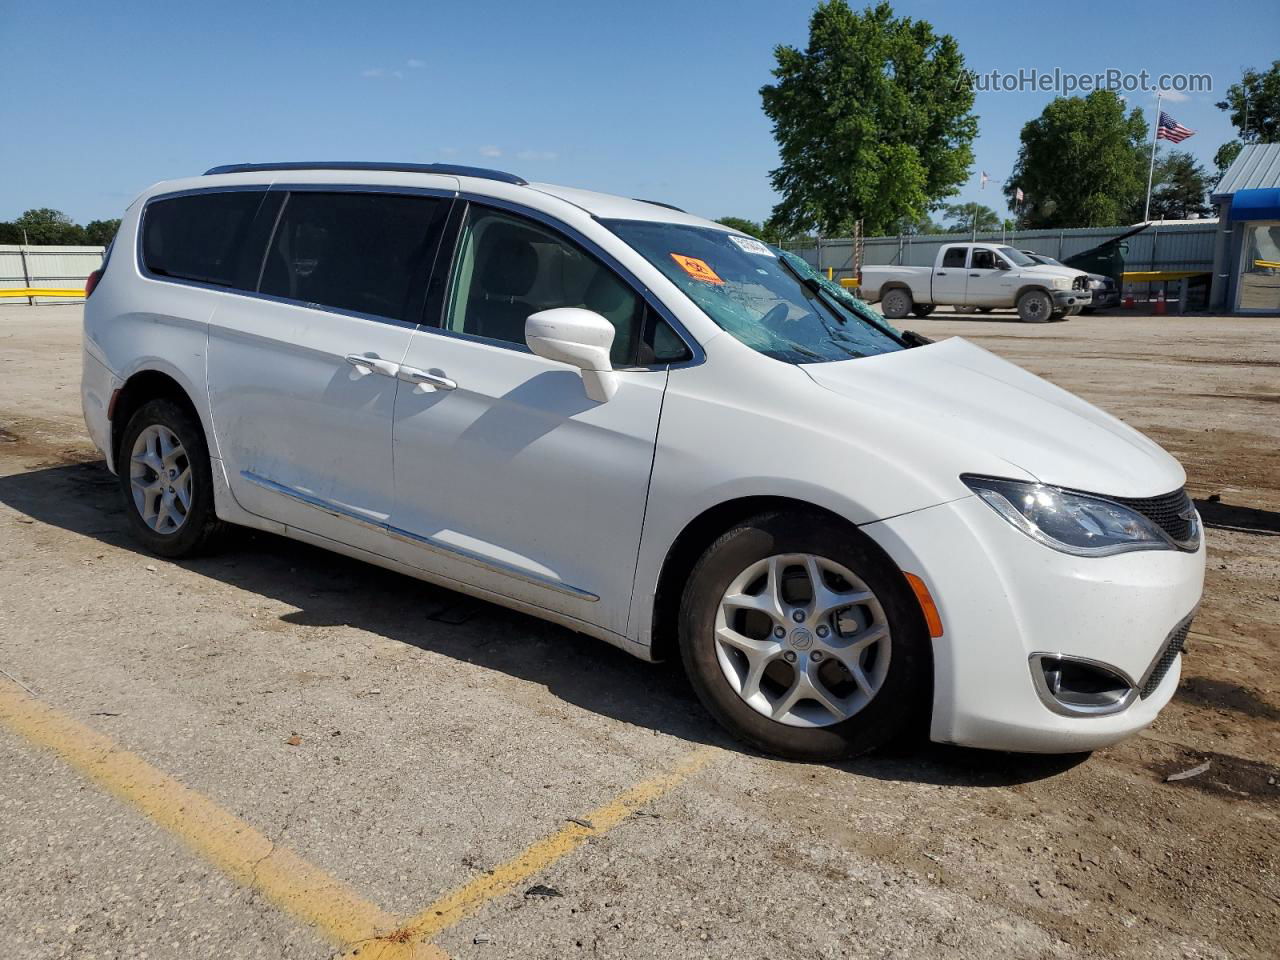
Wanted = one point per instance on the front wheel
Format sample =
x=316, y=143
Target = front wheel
x=803, y=639
x=896, y=303
x=1035, y=306
x=166, y=481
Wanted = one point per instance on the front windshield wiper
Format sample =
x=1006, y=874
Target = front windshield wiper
x=815, y=286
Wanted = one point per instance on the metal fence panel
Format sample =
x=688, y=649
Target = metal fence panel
x=1175, y=246
x=51, y=267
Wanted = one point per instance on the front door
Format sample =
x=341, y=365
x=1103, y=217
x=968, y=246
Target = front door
x=508, y=476
x=302, y=378
x=986, y=285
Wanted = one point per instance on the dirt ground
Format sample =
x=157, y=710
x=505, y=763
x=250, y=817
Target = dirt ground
x=408, y=740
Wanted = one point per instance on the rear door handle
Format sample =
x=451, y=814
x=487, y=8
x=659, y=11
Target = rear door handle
x=424, y=379
x=373, y=365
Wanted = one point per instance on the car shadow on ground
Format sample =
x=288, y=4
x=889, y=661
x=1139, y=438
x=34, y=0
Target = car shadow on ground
x=328, y=589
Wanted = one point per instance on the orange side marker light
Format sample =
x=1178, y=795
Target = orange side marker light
x=927, y=606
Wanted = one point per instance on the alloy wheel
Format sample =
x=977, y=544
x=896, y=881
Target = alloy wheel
x=802, y=640
x=160, y=479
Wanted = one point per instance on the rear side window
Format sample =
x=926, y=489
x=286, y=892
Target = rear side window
x=954, y=257
x=363, y=252
x=199, y=237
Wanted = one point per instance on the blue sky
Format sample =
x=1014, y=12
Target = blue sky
x=653, y=99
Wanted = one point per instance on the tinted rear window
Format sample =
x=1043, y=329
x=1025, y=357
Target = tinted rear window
x=199, y=237
x=363, y=252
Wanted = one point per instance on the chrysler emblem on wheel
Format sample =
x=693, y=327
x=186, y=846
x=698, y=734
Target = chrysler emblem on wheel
x=801, y=639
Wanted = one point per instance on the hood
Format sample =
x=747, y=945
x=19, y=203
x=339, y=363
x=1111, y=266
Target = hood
x=968, y=402
x=1048, y=270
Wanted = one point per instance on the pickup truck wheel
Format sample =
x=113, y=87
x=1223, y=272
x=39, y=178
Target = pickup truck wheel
x=922, y=310
x=803, y=640
x=897, y=303
x=1035, y=306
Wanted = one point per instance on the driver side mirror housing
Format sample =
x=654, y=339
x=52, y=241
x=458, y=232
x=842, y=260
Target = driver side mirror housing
x=580, y=338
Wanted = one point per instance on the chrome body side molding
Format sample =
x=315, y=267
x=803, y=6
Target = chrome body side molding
x=430, y=543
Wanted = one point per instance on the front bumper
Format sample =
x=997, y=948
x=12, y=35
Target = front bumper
x=1003, y=597
x=1072, y=298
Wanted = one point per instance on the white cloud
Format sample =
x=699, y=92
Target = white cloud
x=490, y=151
x=416, y=64
x=1175, y=96
x=537, y=155
x=373, y=72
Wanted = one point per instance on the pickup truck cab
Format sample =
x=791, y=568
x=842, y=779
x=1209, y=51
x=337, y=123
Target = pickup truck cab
x=979, y=275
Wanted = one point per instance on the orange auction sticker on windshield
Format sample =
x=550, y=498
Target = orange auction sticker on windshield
x=698, y=269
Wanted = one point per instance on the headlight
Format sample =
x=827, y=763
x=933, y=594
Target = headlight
x=1097, y=284
x=1062, y=283
x=1075, y=523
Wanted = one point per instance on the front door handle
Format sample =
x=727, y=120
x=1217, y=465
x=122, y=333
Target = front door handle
x=373, y=365
x=424, y=379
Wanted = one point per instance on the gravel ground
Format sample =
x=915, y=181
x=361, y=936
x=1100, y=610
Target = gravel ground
x=436, y=737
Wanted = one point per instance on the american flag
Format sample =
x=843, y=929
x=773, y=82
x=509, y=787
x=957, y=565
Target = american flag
x=1171, y=129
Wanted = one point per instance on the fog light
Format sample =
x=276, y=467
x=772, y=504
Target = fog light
x=1075, y=686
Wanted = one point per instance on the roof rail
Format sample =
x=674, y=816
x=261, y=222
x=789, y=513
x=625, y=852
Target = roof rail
x=449, y=169
x=659, y=203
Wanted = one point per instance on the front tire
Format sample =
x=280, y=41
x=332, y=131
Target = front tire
x=166, y=481
x=1035, y=306
x=896, y=303
x=849, y=671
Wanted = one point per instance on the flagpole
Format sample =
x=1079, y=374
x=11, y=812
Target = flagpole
x=1151, y=170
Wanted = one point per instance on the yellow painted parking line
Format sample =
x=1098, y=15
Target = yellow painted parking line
x=300, y=888
x=243, y=853
x=466, y=899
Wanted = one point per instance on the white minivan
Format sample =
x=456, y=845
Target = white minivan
x=649, y=428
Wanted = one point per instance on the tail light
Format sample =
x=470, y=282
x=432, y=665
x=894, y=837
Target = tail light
x=91, y=282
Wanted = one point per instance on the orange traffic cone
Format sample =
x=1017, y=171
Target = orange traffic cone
x=1160, y=309
x=1128, y=301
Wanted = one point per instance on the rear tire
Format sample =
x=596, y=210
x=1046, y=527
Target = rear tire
x=1035, y=306
x=166, y=481
x=754, y=675
x=897, y=303
x=922, y=310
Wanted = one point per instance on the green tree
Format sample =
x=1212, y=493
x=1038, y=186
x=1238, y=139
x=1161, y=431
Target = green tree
x=1179, y=188
x=1254, y=104
x=1081, y=163
x=46, y=226
x=742, y=225
x=873, y=121
x=968, y=217
x=100, y=232
x=1226, y=155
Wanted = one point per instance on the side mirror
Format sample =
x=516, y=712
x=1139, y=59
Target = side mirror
x=580, y=338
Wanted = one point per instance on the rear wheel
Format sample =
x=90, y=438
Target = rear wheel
x=1035, y=306
x=166, y=481
x=802, y=639
x=922, y=310
x=896, y=304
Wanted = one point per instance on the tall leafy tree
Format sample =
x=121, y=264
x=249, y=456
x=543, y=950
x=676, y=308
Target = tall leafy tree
x=1226, y=155
x=873, y=121
x=967, y=217
x=46, y=226
x=1179, y=188
x=1254, y=104
x=1082, y=163
x=100, y=232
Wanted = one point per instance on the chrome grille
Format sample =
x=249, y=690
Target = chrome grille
x=1173, y=646
x=1173, y=512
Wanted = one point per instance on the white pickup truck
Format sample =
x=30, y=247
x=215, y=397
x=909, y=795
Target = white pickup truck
x=978, y=276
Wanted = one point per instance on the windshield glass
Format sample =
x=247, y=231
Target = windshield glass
x=1016, y=257
x=787, y=313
